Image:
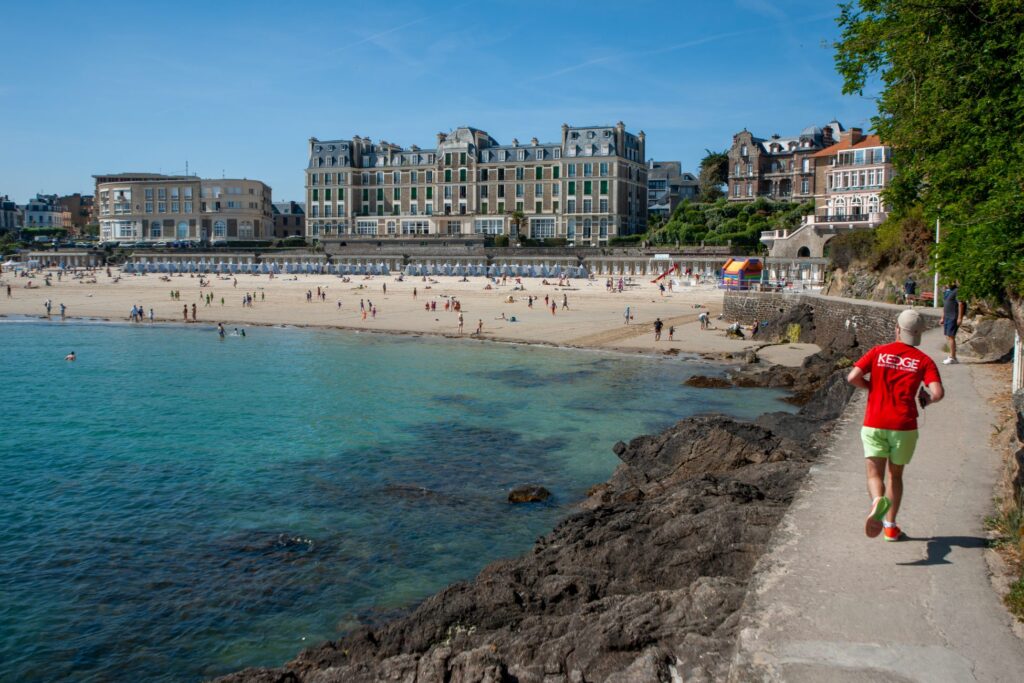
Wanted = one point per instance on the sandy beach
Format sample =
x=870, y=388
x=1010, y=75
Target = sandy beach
x=594, y=318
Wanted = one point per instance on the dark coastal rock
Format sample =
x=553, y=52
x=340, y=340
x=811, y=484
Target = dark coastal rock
x=530, y=493
x=705, y=382
x=642, y=584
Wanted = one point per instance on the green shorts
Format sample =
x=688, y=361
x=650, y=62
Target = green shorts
x=896, y=446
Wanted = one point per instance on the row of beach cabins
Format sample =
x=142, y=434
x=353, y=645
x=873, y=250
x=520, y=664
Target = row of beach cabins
x=799, y=272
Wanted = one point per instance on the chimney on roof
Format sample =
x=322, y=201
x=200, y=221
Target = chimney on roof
x=856, y=135
x=515, y=142
x=441, y=137
x=533, y=141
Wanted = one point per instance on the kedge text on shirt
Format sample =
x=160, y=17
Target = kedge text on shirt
x=897, y=362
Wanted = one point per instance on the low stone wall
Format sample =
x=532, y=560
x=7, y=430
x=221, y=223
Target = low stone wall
x=870, y=322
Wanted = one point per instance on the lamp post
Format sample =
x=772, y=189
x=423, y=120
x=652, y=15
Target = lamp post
x=935, y=286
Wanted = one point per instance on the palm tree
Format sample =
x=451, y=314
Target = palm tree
x=517, y=218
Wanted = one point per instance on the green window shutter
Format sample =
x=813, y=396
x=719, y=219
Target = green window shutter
x=519, y=206
x=572, y=187
x=447, y=158
x=341, y=194
x=380, y=209
x=447, y=175
x=366, y=194
x=430, y=193
x=540, y=207
x=462, y=175
x=413, y=192
x=462, y=158
x=394, y=210
x=380, y=194
x=315, y=194
x=588, y=187
x=398, y=193
x=327, y=194
x=556, y=172
x=501, y=207
x=604, y=187
x=483, y=207
x=539, y=173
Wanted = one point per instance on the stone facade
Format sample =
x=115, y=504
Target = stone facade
x=289, y=220
x=80, y=211
x=850, y=177
x=149, y=207
x=588, y=187
x=871, y=323
x=777, y=168
x=667, y=185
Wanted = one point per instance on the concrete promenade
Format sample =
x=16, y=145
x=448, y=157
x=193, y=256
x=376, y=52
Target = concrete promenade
x=829, y=604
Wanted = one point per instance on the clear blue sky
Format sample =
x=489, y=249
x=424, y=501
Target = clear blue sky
x=238, y=87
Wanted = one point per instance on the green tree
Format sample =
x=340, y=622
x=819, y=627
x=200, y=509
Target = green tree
x=518, y=220
x=951, y=76
x=714, y=172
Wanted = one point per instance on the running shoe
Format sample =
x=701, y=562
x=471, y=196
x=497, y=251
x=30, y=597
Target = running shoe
x=950, y=361
x=873, y=524
x=892, y=533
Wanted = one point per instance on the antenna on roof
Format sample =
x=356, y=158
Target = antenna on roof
x=186, y=168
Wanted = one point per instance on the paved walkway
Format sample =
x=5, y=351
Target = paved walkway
x=829, y=604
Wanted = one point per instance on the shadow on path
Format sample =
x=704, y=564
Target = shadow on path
x=940, y=546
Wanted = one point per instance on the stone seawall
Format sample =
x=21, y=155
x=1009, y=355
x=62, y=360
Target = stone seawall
x=870, y=323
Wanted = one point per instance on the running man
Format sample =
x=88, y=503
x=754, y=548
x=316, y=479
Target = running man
x=896, y=371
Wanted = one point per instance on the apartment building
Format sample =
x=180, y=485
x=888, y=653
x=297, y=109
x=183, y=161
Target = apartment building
x=45, y=211
x=588, y=187
x=79, y=208
x=667, y=185
x=850, y=176
x=150, y=207
x=10, y=214
x=289, y=219
x=778, y=168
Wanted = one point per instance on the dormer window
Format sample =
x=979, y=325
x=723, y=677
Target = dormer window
x=743, y=150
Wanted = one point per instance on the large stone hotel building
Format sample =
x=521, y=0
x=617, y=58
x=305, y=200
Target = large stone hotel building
x=588, y=187
x=149, y=207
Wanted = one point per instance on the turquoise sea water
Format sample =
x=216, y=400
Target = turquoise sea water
x=175, y=506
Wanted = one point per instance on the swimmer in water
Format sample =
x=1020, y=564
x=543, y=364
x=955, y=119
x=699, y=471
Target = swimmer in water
x=70, y=356
x=220, y=330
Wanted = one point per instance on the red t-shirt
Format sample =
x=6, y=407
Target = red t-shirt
x=897, y=370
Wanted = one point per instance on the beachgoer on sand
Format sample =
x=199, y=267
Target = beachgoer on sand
x=893, y=375
x=657, y=329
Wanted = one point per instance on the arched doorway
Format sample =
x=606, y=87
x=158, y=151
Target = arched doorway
x=803, y=252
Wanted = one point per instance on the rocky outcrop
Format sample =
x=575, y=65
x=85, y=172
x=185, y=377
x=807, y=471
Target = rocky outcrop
x=986, y=339
x=705, y=382
x=643, y=584
x=531, y=493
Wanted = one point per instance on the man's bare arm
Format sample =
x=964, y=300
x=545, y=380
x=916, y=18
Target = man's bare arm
x=857, y=379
